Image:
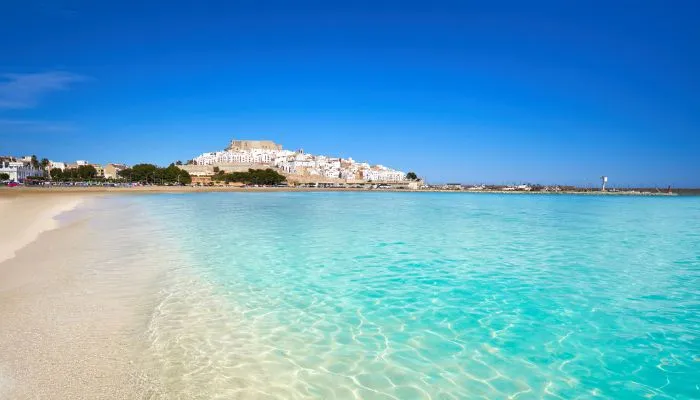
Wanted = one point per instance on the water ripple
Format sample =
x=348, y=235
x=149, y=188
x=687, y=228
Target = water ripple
x=413, y=296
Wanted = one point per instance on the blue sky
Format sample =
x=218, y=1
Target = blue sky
x=497, y=92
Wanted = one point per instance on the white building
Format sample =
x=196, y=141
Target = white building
x=205, y=159
x=383, y=174
x=57, y=164
x=300, y=163
x=18, y=171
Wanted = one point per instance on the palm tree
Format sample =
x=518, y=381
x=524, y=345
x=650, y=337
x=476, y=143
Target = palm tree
x=45, y=166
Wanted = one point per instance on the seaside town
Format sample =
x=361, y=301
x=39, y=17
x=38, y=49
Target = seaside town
x=246, y=163
x=297, y=168
x=298, y=163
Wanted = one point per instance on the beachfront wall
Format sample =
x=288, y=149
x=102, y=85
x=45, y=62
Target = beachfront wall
x=227, y=168
x=201, y=179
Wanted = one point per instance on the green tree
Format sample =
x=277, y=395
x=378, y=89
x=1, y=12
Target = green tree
x=45, y=166
x=4, y=176
x=86, y=172
x=253, y=176
x=145, y=173
x=169, y=174
x=173, y=174
x=412, y=176
x=178, y=162
x=56, y=174
x=184, y=177
x=151, y=174
x=68, y=174
x=126, y=174
x=34, y=162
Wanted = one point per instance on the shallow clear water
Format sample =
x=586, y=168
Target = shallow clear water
x=442, y=296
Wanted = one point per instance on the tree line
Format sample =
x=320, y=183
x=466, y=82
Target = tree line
x=143, y=173
x=152, y=174
x=82, y=173
x=253, y=177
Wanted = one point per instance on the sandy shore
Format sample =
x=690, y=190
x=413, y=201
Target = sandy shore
x=70, y=320
x=29, y=217
x=82, y=190
x=21, y=191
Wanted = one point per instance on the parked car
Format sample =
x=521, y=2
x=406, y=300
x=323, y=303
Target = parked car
x=12, y=184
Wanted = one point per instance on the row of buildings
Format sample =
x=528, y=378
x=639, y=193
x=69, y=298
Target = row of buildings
x=298, y=166
x=21, y=168
x=298, y=163
x=18, y=169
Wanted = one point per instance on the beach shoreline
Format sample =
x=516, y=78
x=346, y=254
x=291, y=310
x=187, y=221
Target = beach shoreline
x=87, y=190
x=72, y=314
x=29, y=217
x=126, y=298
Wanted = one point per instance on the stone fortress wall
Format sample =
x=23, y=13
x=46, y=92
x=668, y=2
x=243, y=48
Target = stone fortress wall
x=245, y=145
x=198, y=170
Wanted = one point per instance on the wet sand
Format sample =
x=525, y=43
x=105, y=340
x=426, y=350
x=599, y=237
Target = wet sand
x=69, y=321
x=24, y=219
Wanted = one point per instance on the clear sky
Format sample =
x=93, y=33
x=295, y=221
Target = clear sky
x=482, y=91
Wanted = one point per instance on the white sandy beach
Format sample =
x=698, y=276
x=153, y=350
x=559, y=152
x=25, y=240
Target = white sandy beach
x=25, y=217
x=69, y=320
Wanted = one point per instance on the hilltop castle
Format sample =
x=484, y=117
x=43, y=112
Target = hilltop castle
x=247, y=145
x=266, y=153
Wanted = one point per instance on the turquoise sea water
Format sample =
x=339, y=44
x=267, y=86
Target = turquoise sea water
x=428, y=296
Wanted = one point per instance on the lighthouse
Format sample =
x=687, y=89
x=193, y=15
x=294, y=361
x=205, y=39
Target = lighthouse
x=604, y=179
